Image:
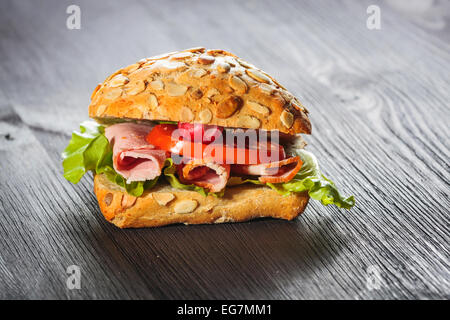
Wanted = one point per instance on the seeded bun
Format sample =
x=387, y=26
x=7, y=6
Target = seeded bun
x=163, y=205
x=201, y=86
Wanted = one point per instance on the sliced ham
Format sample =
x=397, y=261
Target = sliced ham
x=133, y=157
x=206, y=174
x=274, y=172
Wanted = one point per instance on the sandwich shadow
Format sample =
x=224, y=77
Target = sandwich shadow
x=249, y=260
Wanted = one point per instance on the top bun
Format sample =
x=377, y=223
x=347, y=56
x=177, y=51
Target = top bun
x=199, y=86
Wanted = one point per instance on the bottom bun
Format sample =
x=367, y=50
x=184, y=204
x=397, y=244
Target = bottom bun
x=164, y=205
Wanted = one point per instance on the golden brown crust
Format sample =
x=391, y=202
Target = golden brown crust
x=199, y=85
x=165, y=205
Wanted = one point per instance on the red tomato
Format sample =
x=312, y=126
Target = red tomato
x=166, y=138
x=161, y=136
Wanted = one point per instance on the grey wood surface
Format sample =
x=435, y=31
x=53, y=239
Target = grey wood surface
x=379, y=103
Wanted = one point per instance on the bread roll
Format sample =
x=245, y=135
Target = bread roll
x=164, y=205
x=202, y=86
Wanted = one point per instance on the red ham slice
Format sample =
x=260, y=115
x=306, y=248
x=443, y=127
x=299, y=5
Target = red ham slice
x=274, y=172
x=133, y=157
x=206, y=174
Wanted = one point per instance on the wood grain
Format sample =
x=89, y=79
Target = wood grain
x=379, y=104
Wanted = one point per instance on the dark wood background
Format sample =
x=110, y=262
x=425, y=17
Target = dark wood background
x=379, y=103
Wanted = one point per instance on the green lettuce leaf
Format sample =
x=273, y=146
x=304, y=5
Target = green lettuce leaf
x=309, y=179
x=89, y=150
x=86, y=151
x=169, y=173
x=167, y=122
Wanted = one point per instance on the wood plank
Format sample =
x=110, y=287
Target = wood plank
x=379, y=108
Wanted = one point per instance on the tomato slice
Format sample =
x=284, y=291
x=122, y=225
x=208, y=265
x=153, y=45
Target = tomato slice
x=266, y=153
x=161, y=136
x=164, y=137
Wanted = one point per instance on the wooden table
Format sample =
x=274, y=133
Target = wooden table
x=379, y=103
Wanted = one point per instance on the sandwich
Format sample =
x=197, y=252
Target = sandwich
x=196, y=137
